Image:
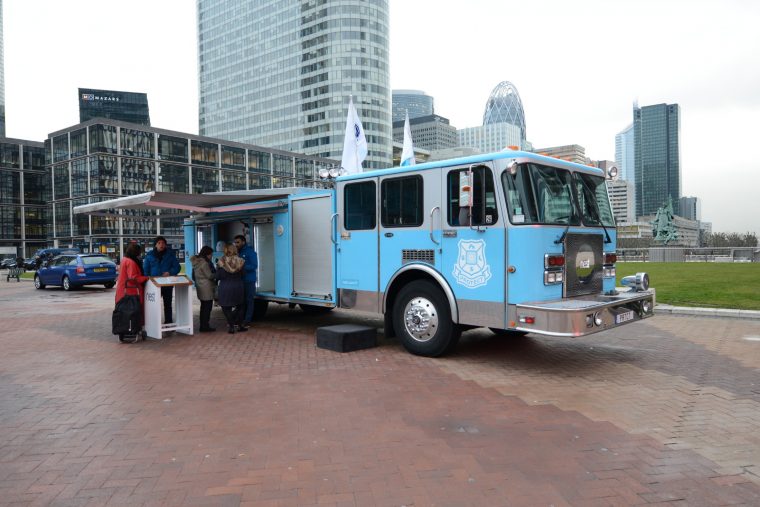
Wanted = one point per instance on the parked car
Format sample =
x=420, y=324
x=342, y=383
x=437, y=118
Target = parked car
x=10, y=262
x=30, y=264
x=71, y=271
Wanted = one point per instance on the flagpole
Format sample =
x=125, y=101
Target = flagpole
x=356, y=139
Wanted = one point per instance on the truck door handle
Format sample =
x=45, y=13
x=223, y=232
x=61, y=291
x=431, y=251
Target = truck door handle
x=432, y=211
x=332, y=228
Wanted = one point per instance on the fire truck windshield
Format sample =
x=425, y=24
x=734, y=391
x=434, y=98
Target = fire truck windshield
x=593, y=200
x=538, y=194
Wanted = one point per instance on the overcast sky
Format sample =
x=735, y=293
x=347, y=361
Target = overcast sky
x=578, y=66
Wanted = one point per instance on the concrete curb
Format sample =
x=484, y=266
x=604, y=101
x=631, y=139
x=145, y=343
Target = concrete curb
x=723, y=313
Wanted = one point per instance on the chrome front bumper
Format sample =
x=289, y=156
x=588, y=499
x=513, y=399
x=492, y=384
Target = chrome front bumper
x=576, y=316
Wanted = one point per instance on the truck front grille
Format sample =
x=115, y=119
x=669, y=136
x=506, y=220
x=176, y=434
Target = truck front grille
x=583, y=264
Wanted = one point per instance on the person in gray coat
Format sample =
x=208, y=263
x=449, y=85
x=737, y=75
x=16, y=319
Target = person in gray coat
x=229, y=272
x=204, y=276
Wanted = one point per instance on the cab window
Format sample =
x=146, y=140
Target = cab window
x=538, y=194
x=471, y=197
x=402, y=202
x=360, y=204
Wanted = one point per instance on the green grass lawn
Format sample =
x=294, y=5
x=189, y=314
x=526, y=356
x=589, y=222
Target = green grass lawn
x=705, y=284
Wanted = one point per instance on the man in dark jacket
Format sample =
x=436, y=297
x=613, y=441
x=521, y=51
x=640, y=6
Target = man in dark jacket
x=161, y=261
x=249, y=277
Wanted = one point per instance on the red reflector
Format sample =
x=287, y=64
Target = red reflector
x=555, y=260
x=610, y=258
x=530, y=320
x=80, y=269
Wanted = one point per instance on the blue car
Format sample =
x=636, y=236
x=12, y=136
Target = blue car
x=76, y=270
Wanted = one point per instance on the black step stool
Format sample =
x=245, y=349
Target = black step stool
x=346, y=337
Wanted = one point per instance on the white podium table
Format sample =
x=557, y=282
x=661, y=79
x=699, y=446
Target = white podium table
x=154, y=306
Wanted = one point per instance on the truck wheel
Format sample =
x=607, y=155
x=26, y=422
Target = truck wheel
x=422, y=320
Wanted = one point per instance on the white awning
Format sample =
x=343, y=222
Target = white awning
x=191, y=203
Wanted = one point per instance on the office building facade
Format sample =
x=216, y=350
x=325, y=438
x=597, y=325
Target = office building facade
x=657, y=154
x=431, y=132
x=624, y=156
x=2, y=74
x=130, y=107
x=491, y=137
x=24, y=197
x=690, y=208
x=104, y=159
x=414, y=102
x=280, y=74
x=570, y=152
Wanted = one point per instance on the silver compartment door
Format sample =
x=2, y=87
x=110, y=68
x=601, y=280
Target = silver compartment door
x=312, y=248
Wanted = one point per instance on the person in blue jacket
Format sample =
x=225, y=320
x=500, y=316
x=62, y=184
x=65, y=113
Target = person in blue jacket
x=161, y=261
x=249, y=277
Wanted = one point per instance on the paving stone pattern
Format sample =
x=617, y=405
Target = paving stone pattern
x=663, y=412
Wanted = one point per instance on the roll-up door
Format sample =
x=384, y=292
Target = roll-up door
x=312, y=248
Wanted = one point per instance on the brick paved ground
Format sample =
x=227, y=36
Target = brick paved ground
x=663, y=412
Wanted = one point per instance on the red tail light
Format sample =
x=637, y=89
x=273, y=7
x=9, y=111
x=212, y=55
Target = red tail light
x=610, y=258
x=80, y=270
x=554, y=261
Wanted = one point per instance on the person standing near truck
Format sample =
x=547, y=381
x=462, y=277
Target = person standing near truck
x=161, y=261
x=249, y=276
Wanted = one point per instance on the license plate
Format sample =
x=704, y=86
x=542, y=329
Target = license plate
x=100, y=270
x=624, y=317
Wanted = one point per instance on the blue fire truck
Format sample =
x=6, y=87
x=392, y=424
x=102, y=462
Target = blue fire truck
x=513, y=241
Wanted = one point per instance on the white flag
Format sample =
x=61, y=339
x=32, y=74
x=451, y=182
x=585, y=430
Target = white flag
x=407, y=153
x=355, y=144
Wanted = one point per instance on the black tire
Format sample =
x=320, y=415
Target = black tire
x=314, y=309
x=109, y=285
x=422, y=320
x=507, y=333
x=38, y=283
x=66, y=283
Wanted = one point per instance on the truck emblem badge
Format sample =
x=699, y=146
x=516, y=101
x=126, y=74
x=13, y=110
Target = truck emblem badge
x=471, y=269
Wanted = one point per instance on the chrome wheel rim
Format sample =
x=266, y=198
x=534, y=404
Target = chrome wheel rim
x=37, y=282
x=421, y=319
x=66, y=285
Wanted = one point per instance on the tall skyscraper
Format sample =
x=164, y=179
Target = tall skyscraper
x=657, y=153
x=415, y=102
x=625, y=159
x=2, y=74
x=690, y=207
x=505, y=106
x=279, y=74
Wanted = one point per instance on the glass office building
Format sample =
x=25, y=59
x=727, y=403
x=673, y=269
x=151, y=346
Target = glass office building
x=2, y=74
x=125, y=106
x=415, y=102
x=280, y=74
x=505, y=106
x=101, y=160
x=657, y=156
x=24, y=197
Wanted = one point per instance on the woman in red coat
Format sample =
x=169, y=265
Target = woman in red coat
x=131, y=268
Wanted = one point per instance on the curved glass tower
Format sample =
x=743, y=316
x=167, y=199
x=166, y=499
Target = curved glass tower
x=279, y=74
x=415, y=102
x=504, y=106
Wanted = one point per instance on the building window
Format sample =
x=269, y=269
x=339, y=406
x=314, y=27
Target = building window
x=102, y=139
x=10, y=222
x=61, y=182
x=36, y=222
x=233, y=158
x=36, y=188
x=205, y=153
x=137, y=176
x=173, y=178
x=402, y=202
x=34, y=158
x=259, y=181
x=136, y=143
x=172, y=148
x=205, y=180
x=9, y=156
x=60, y=148
x=62, y=219
x=304, y=169
x=259, y=161
x=79, y=143
x=79, y=178
x=283, y=165
x=233, y=180
x=360, y=205
x=104, y=177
